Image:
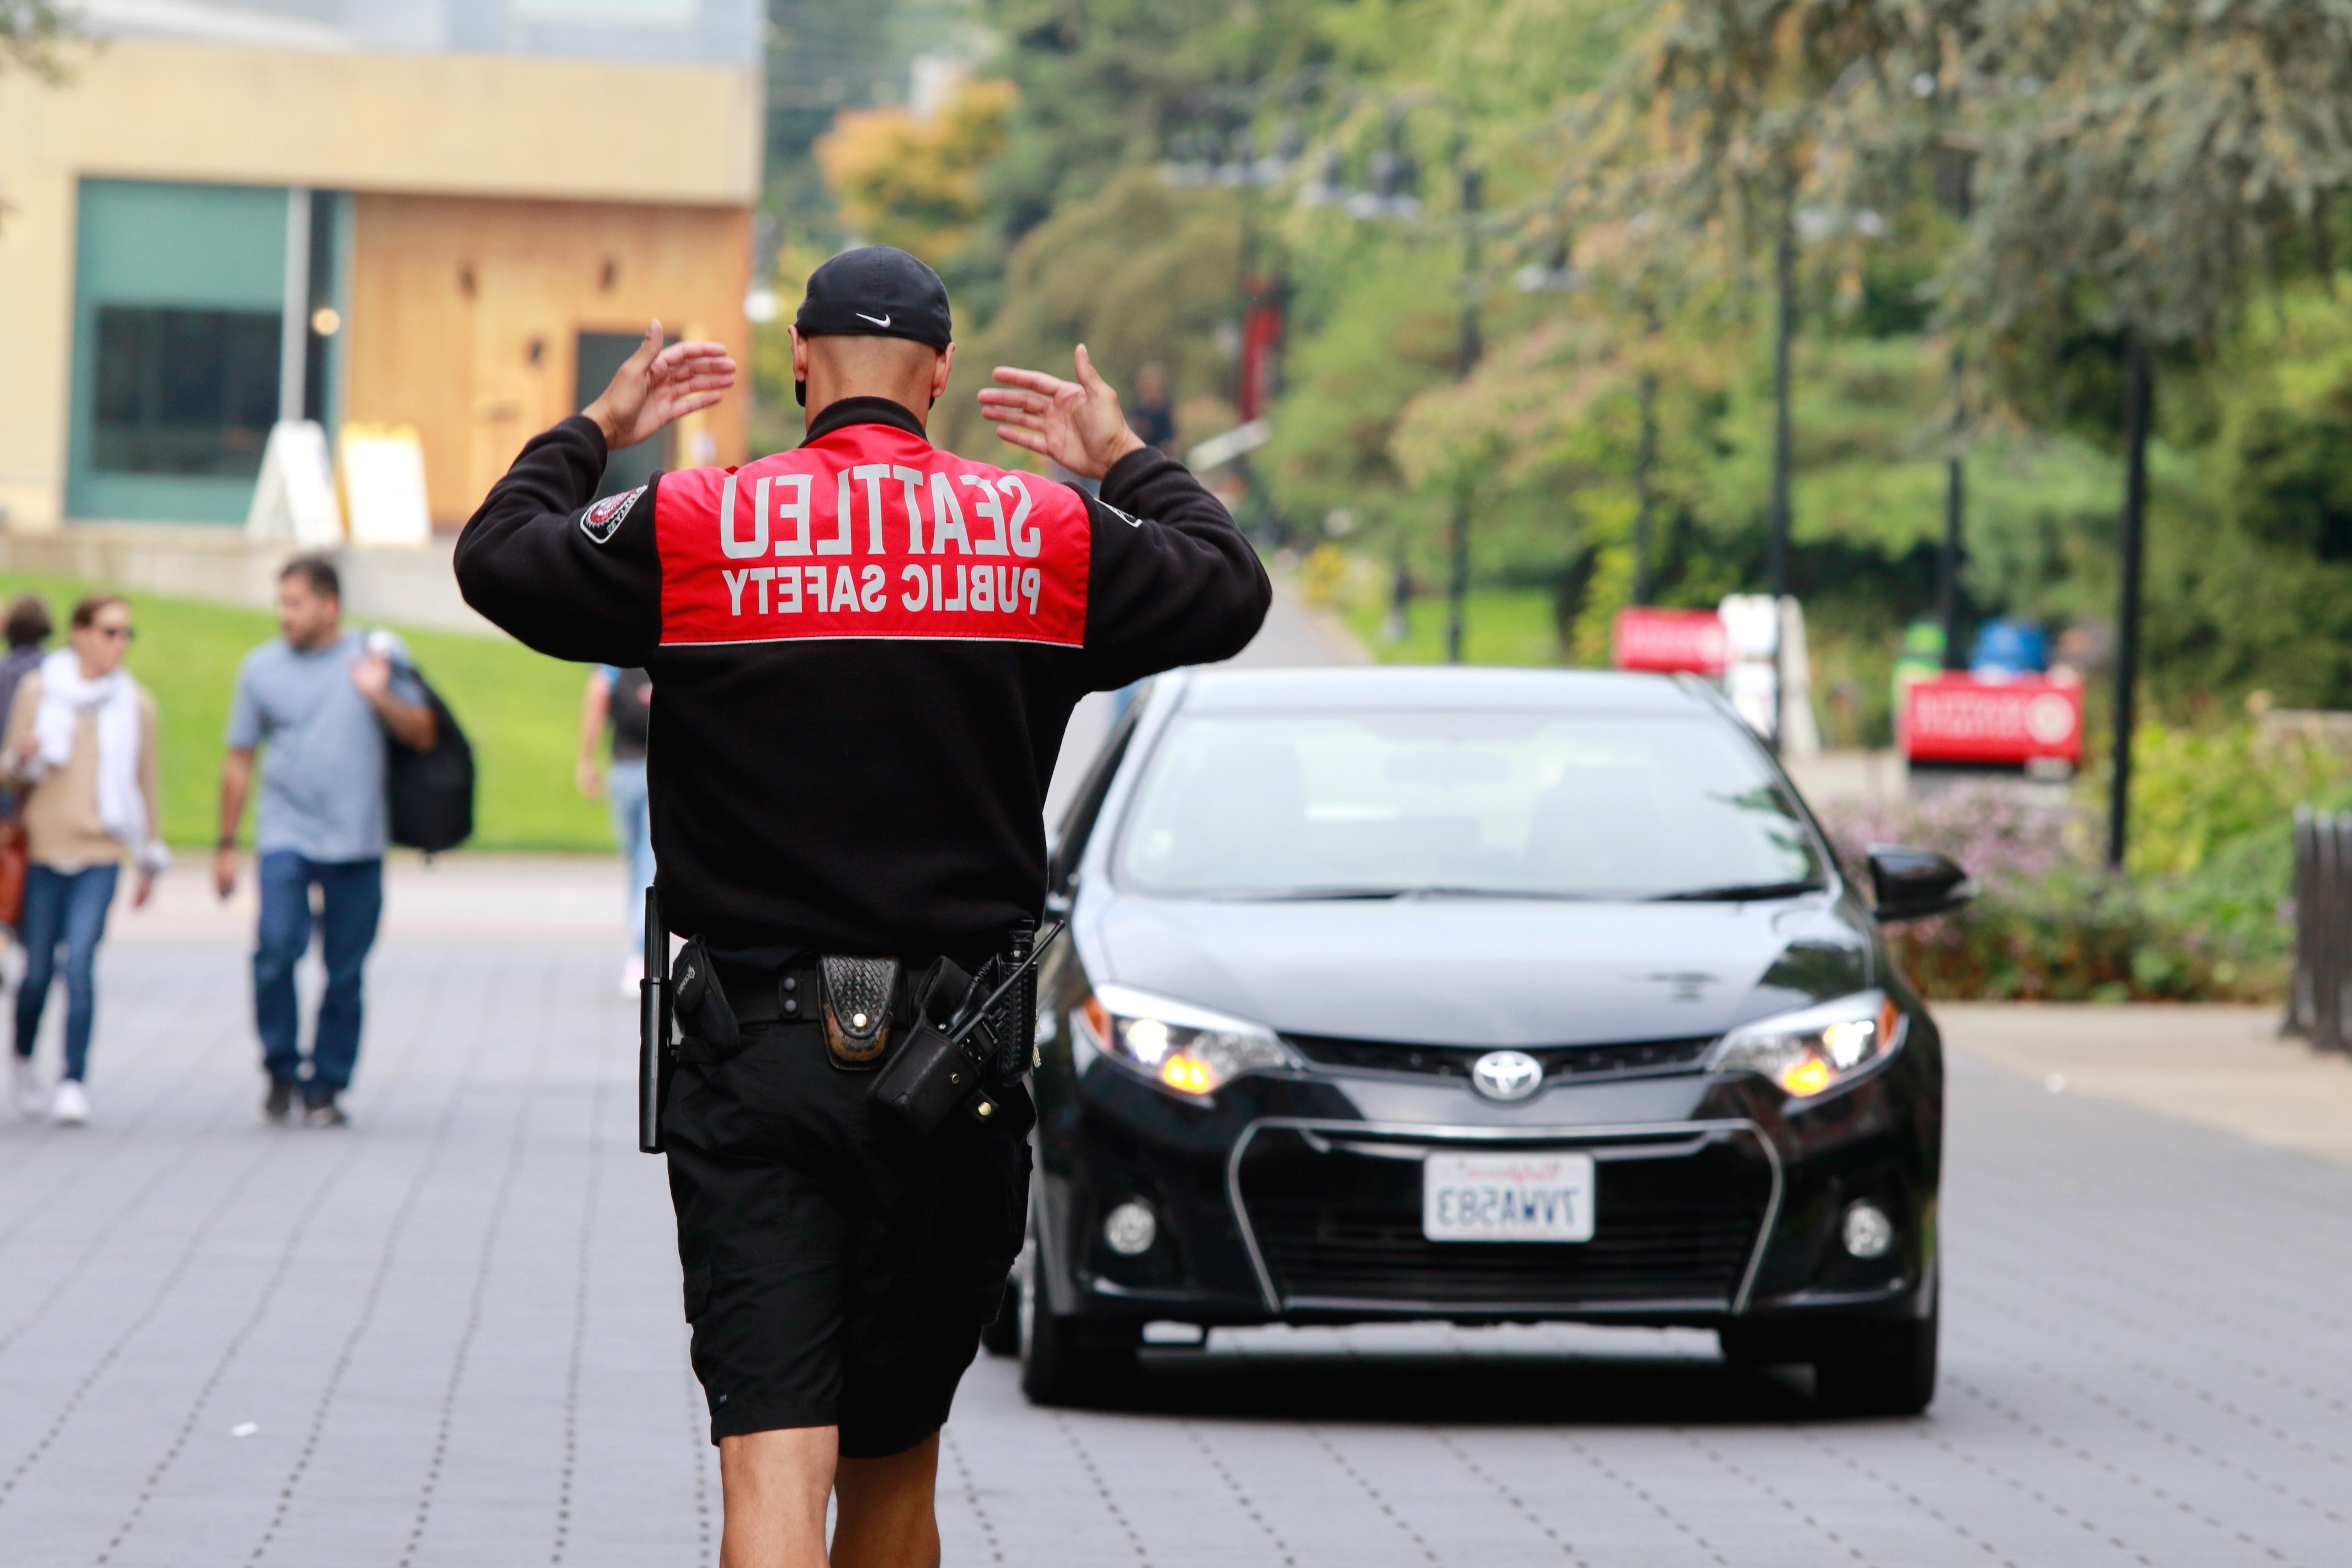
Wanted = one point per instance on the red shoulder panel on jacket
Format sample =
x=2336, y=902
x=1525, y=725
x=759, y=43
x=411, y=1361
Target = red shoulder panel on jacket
x=870, y=533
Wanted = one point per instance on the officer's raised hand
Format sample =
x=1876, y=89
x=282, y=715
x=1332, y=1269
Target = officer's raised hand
x=655, y=386
x=1075, y=423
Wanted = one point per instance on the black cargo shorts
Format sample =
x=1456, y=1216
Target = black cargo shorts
x=839, y=1266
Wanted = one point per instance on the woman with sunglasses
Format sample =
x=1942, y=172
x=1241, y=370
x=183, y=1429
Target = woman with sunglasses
x=80, y=746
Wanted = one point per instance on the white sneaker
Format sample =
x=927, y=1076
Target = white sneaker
x=27, y=1086
x=71, y=1107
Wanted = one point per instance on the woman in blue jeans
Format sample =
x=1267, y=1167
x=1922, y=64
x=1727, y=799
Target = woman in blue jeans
x=80, y=743
x=621, y=701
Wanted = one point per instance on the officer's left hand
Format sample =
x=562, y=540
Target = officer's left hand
x=1075, y=423
x=656, y=386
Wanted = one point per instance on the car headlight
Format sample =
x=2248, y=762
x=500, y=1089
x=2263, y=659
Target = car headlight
x=1190, y=1049
x=1814, y=1049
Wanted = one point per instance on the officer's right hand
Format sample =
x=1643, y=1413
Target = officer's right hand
x=1075, y=423
x=655, y=386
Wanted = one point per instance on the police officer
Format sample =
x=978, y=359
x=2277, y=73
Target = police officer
x=864, y=651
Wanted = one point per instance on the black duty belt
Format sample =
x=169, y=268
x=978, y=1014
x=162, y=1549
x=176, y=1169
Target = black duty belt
x=792, y=994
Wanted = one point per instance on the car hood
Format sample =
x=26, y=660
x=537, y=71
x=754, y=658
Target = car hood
x=1481, y=972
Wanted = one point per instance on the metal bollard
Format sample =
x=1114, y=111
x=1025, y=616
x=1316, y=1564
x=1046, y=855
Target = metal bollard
x=2318, y=1005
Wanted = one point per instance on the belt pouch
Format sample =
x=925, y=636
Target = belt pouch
x=701, y=1001
x=929, y=1076
x=859, y=993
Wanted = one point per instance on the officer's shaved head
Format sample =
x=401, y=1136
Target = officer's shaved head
x=837, y=365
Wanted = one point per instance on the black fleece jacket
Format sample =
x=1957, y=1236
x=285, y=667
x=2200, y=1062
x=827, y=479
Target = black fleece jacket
x=875, y=795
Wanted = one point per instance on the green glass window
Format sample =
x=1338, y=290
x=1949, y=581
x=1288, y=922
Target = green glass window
x=184, y=391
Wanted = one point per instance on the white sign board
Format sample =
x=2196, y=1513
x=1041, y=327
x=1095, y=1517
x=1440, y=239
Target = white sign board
x=295, y=497
x=1769, y=657
x=383, y=485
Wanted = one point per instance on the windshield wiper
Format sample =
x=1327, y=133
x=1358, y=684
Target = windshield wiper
x=1309, y=895
x=1739, y=892
x=1313, y=895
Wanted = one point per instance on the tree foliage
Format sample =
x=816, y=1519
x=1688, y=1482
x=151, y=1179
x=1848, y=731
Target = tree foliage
x=2172, y=165
x=33, y=36
x=912, y=183
x=2147, y=164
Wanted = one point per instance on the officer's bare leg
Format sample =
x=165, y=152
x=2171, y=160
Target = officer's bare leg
x=776, y=1484
x=886, y=1518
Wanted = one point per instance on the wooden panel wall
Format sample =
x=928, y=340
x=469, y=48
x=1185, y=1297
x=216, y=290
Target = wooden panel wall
x=465, y=313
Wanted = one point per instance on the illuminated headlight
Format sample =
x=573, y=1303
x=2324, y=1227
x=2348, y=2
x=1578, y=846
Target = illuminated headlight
x=1189, y=1049
x=1811, y=1051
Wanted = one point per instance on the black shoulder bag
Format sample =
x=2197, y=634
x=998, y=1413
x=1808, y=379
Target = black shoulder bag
x=431, y=791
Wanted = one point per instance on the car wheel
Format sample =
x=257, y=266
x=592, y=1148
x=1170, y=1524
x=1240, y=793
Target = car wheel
x=1003, y=1335
x=1890, y=1373
x=1064, y=1360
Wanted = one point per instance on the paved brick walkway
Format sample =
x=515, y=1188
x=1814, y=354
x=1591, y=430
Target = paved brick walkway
x=451, y=1336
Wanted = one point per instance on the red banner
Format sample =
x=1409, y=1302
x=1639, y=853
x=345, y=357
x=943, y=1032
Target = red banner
x=1670, y=642
x=1261, y=356
x=1960, y=719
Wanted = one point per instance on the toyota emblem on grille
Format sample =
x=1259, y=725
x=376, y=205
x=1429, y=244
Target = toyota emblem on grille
x=1507, y=1075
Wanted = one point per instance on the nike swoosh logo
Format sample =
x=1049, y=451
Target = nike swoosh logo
x=878, y=321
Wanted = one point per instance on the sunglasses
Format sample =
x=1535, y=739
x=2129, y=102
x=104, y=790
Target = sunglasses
x=115, y=633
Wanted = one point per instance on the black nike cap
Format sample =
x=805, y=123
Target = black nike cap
x=877, y=291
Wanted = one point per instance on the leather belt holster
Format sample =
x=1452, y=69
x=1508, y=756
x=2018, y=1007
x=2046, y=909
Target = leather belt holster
x=860, y=1004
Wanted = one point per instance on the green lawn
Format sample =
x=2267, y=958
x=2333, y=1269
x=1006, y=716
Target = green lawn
x=1500, y=626
x=520, y=711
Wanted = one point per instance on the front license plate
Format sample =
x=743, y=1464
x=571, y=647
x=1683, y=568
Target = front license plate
x=1506, y=1197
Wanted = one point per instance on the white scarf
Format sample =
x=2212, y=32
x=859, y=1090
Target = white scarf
x=65, y=696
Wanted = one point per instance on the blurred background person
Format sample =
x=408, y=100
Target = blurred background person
x=81, y=747
x=621, y=701
x=1152, y=419
x=324, y=698
x=28, y=628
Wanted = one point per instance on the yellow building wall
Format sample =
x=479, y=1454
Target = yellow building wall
x=464, y=316
x=570, y=131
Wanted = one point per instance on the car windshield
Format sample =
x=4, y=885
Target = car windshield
x=1373, y=804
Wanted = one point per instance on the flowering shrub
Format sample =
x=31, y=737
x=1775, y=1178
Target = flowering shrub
x=2201, y=914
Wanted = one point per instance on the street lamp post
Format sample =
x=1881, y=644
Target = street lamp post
x=1784, y=331
x=1952, y=179
x=1457, y=588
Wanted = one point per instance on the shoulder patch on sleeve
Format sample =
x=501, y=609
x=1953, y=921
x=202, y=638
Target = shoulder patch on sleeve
x=602, y=520
x=1128, y=518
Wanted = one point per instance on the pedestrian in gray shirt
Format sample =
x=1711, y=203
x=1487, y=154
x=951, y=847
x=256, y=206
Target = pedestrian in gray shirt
x=326, y=701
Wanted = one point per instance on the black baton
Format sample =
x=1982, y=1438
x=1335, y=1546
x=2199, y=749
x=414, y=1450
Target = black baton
x=653, y=1030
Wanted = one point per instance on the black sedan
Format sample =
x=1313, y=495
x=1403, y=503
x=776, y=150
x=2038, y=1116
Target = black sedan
x=1478, y=996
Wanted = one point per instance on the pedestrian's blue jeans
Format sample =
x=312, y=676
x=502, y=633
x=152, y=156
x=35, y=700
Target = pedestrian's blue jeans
x=67, y=907
x=350, y=900
x=624, y=788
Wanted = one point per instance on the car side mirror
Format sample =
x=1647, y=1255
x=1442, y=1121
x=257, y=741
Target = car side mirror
x=1911, y=884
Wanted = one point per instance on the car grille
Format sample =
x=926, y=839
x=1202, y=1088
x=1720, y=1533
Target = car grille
x=1628, y=1058
x=1335, y=1224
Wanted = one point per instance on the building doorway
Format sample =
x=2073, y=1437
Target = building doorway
x=598, y=355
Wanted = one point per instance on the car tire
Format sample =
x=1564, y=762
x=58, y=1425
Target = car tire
x=1890, y=1373
x=1065, y=1361
x=1003, y=1335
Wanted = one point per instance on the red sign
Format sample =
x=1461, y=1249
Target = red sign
x=1960, y=719
x=1669, y=642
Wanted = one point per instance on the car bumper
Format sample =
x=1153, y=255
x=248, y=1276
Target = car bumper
x=1297, y=1199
